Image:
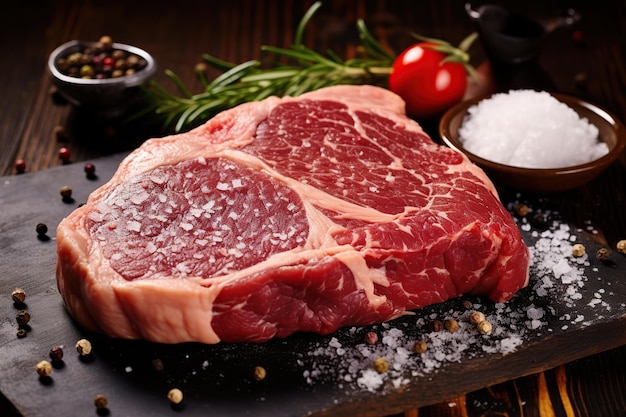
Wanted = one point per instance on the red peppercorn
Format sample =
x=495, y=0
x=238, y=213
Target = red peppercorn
x=578, y=36
x=56, y=354
x=90, y=169
x=64, y=154
x=20, y=166
x=108, y=62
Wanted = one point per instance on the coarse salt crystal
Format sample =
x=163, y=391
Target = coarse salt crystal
x=530, y=129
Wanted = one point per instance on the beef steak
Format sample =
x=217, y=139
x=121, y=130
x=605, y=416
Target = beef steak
x=285, y=215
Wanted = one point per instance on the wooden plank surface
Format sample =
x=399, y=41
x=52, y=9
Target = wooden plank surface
x=307, y=374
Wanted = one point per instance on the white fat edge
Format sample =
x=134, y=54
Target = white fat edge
x=197, y=299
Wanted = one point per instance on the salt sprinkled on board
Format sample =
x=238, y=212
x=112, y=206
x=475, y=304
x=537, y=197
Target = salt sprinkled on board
x=530, y=129
x=555, y=275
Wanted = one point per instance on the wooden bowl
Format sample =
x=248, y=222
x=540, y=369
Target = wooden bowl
x=610, y=130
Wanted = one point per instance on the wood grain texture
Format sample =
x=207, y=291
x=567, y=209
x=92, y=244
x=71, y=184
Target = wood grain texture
x=594, y=69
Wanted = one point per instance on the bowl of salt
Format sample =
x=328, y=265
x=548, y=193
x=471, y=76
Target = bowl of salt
x=534, y=140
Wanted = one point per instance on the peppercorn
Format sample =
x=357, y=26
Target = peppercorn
x=451, y=325
x=118, y=54
x=86, y=71
x=132, y=61
x=41, y=229
x=371, y=338
x=83, y=347
x=117, y=73
x=175, y=396
x=381, y=365
x=200, y=67
x=22, y=317
x=259, y=373
x=18, y=295
x=540, y=221
x=20, y=166
x=602, y=254
x=64, y=154
x=621, y=246
x=44, y=369
x=578, y=250
x=56, y=354
x=106, y=42
x=100, y=401
x=484, y=327
x=522, y=210
x=468, y=304
x=21, y=333
x=157, y=364
x=435, y=326
x=66, y=192
x=477, y=317
x=420, y=346
x=90, y=170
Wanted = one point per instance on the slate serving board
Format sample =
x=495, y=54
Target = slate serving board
x=306, y=374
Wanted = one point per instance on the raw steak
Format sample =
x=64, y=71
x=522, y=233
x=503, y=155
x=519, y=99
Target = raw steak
x=286, y=215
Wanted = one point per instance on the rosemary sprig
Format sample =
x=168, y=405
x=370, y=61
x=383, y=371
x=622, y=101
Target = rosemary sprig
x=307, y=70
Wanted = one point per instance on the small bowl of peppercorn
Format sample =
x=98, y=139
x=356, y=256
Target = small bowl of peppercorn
x=102, y=78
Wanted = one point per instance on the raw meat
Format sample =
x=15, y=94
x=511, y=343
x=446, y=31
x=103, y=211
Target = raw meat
x=286, y=215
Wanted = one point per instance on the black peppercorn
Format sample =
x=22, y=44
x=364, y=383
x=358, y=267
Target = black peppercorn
x=22, y=317
x=603, y=254
x=435, y=326
x=41, y=229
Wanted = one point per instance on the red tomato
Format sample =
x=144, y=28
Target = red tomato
x=427, y=85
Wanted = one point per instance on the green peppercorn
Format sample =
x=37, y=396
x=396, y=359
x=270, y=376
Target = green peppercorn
x=22, y=317
x=86, y=71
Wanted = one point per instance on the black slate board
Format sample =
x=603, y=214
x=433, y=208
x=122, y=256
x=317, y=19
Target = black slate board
x=306, y=374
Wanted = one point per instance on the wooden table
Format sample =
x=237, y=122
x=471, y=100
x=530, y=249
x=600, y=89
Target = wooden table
x=587, y=60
